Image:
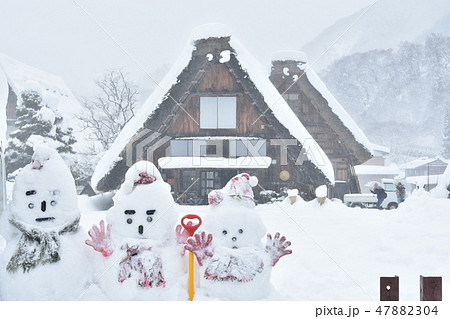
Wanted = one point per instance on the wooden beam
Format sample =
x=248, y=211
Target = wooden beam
x=430, y=288
x=389, y=288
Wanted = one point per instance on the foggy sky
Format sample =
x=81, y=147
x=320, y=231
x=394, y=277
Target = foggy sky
x=57, y=36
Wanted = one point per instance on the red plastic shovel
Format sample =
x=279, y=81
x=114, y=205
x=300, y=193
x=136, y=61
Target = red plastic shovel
x=191, y=228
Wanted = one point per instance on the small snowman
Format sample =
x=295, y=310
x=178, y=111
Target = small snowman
x=321, y=194
x=235, y=264
x=238, y=191
x=140, y=243
x=44, y=258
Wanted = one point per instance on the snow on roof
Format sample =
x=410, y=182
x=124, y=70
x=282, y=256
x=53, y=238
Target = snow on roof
x=380, y=149
x=3, y=100
x=391, y=169
x=52, y=89
x=292, y=55
x=210, y=30
x=247, y=162
x=257, y=74
x=424, y=180
x=420, y=161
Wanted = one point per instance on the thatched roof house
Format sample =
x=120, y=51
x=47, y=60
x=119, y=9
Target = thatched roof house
x=216, y=114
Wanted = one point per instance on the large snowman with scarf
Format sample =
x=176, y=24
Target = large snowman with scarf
x=45, y=258
x=235, y=264
x=143, y=259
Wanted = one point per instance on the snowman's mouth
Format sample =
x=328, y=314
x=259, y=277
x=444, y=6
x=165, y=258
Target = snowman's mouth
x=45, y=219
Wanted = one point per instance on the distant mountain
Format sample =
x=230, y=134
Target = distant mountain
x=398, y=98
x=441, y=27
x=383, y=26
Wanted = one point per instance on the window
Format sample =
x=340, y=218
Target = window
x=208, y=182
x=389, y=187
x=188, y=178
x=196, y=148
x=181, y=147
x=218, y=112
x=249, y=147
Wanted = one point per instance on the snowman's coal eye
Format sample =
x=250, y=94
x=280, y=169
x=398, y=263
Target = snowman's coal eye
x=129, y=220
x=28, y=193
x=240, y=231
x=30, y=205
x=130, y=212
x=53, y=202
x=224, y=232
x=149, y=219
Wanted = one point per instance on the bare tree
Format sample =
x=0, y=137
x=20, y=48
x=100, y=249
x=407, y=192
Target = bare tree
x=107, y=113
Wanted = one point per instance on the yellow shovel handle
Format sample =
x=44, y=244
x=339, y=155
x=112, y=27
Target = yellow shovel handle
x=191, y=276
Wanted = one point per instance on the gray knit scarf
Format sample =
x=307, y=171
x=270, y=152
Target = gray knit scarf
x=37, y=246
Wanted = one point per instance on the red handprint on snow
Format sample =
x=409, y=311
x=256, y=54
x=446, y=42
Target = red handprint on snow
x=276, y=247
x=200, y=245
x=101, y=239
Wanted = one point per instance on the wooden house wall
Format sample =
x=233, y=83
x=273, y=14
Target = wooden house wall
x=218, y=82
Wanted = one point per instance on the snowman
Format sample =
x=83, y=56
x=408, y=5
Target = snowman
x=235, y=265
x=143, y=259
x=44, y=258
x=237, y=191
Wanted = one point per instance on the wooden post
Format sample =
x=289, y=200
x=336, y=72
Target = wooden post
x=430, y=288
x=389, y=288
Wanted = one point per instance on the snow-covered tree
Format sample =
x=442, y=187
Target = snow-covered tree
x=397, y=97
x=105, y=115
x=35, y=121
x=446, y=140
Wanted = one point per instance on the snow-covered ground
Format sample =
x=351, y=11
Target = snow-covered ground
x=339, y=253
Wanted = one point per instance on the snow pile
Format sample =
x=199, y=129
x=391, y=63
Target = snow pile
x=139, y=243
x=339, y=253
x=3, y=100
x=442, y=188
x=44, y=251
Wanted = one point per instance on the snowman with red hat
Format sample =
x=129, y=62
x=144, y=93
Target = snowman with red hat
x=44, y=257
x=235, y=263
x=140, y=242
x=237, y=191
